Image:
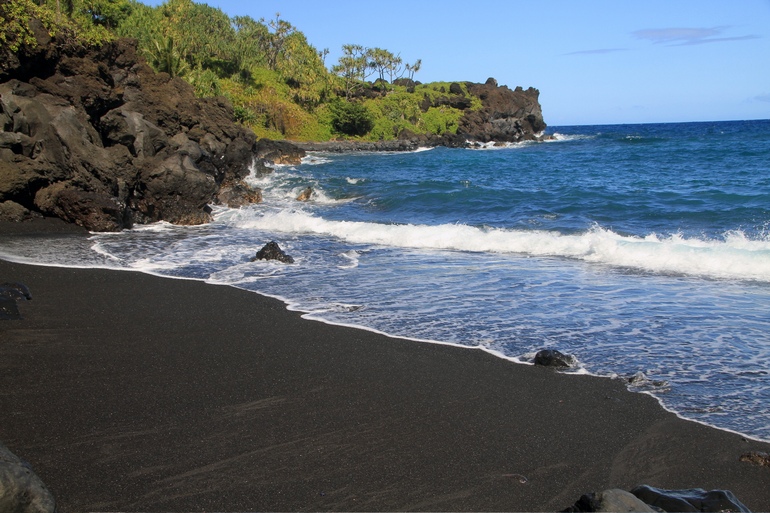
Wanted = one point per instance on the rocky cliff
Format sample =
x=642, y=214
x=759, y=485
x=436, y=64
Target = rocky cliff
x=97, y=138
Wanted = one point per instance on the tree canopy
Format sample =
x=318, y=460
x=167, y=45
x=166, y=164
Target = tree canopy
x=277, y=81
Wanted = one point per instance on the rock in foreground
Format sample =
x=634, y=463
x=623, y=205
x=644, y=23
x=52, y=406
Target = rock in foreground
x=554, y=358
x=647, y=498
x=21, y=490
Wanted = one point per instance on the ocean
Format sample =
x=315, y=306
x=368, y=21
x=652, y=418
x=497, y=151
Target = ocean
x=642, y=250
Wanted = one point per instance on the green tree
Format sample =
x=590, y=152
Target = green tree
x=15, y=17
x=411, y=69
x=275, y=39
x=350, y=118
x=249, y=42
x=167, y=57
x=302, y=69
x=353, y=67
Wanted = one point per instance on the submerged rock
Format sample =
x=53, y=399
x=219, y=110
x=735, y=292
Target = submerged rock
x=554, y=358
x=271, y=251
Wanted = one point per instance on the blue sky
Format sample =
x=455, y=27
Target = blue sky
x=593, y=61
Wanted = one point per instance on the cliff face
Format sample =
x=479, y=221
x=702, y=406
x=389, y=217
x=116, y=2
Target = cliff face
x=507, y=115
x=99, y=139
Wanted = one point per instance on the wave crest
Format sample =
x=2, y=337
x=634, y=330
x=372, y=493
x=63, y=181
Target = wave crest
x=733, y=257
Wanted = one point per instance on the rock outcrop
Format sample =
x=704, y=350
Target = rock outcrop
x=507, y=115
x=97, y=138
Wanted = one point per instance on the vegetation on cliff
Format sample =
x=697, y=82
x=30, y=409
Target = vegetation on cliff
x=278, y=83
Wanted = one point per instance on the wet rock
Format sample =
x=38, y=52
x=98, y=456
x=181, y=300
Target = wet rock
x=21, y=490
x=609, y=500
x=238, y=194
x=554, y=358
x=279, y=152
x=695, y=499
x=305, y=194
x=15, y=290
x=271, y=251
x=641, y=380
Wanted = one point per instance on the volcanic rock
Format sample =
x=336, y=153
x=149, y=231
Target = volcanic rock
x=695, y=499
x=97, y=138
x=613, y=500
x=21, y=490
x=271, y=251
x=554, y=358
x=305, y=194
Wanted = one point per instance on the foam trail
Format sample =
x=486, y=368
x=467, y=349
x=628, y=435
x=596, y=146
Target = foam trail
x=735, y=257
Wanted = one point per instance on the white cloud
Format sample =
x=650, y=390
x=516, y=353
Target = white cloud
x=598, y=51
x=683, y=36
x=763, y=97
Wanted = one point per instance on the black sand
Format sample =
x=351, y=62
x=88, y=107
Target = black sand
x=131, y=392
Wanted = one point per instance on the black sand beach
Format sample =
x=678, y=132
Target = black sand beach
x=131, y=392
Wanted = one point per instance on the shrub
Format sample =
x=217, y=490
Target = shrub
x=351, y=118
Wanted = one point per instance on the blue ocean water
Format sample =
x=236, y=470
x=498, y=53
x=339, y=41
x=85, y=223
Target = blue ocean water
x=644, y=250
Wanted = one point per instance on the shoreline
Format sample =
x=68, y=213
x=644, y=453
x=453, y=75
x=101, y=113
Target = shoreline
x=180, y=395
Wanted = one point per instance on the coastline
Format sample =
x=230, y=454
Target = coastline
x=130, y=391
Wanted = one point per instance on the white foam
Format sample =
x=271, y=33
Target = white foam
x=733, y=257
x=557, y=137
x=495, y=145
x=353, y=257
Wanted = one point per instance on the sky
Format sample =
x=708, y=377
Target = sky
x=593, y=61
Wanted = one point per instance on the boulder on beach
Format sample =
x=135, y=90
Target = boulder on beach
x=554, y=358
x=694, y=499
x=613, y=500
x=646, y=498
x=21, y=490
x=9, y=294
x=271, y=251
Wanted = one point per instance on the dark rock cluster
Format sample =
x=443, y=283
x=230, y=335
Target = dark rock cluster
x=97, y=138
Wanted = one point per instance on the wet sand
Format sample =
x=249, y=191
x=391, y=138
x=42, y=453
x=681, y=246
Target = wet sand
x=132, y=392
